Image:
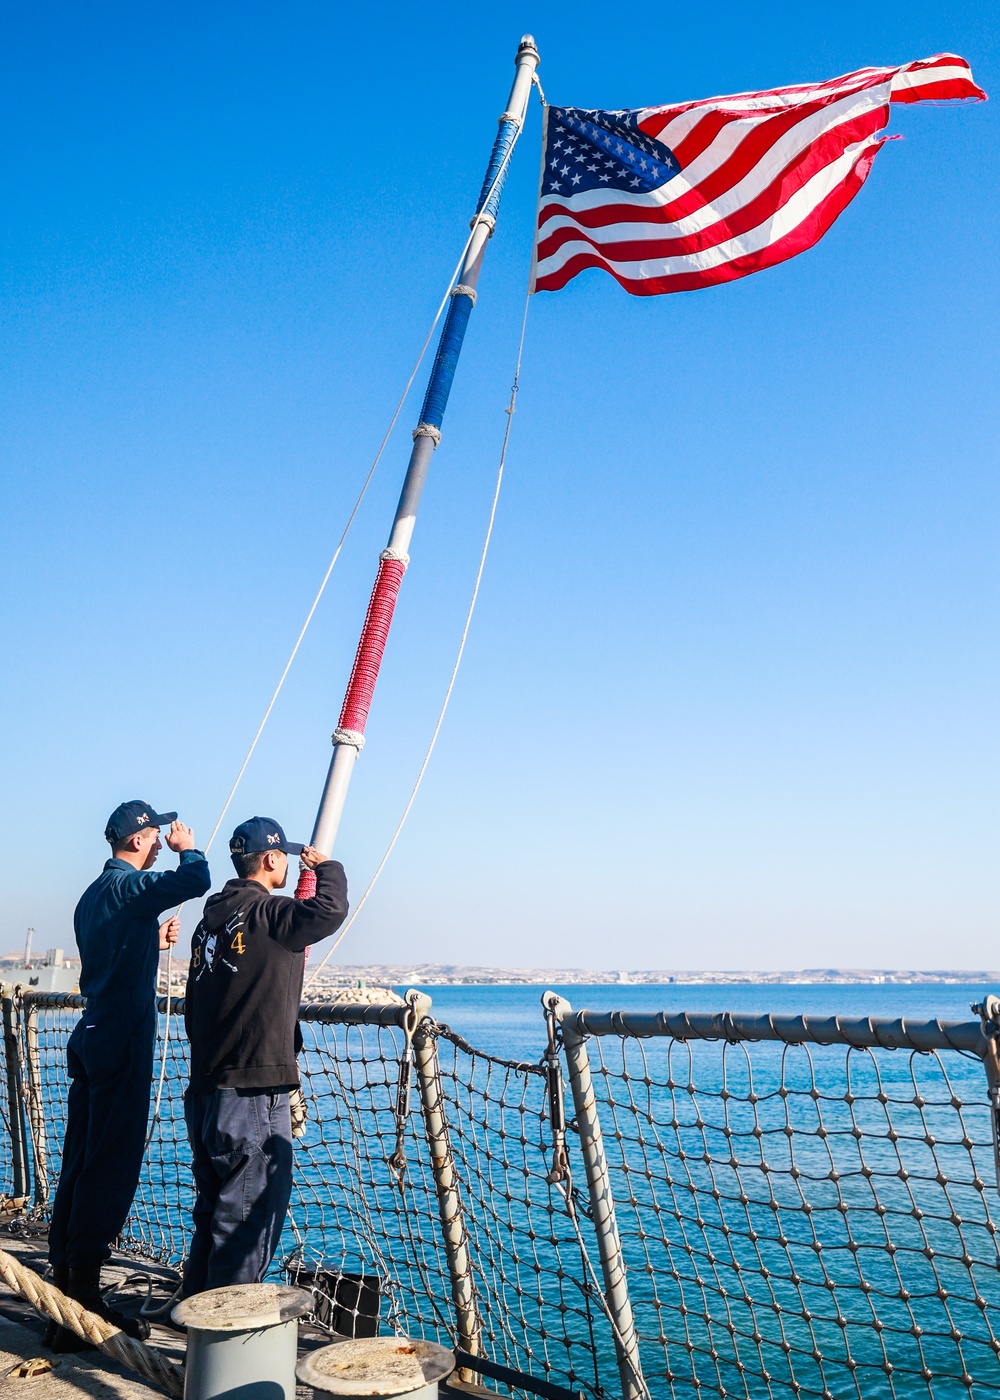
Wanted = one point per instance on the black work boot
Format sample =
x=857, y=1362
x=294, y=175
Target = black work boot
x=85, y=1287
x=58, y=1338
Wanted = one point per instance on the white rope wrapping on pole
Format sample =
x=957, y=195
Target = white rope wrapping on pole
x=509, y=410
x=53, y=1303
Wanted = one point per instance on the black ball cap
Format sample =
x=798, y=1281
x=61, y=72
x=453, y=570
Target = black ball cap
x=262, y=834
x=130, y=817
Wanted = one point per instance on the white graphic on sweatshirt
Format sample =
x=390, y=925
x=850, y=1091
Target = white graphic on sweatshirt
x=211, y=951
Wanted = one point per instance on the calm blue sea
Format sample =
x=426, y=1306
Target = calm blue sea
x=508, y=1020
x=795, y=1221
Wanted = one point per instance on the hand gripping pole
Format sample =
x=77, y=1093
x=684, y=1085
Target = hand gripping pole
x=349, y=736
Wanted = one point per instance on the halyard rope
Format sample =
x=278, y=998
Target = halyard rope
x=452, y=281
x=48, y=1299
x=509, y=410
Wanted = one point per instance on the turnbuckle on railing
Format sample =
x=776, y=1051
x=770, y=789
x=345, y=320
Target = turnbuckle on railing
x=988, y=1011
x=552, y=1064
x=408, y=1024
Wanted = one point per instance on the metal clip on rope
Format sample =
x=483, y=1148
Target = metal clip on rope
x=552, y=1064
x=410, y=1021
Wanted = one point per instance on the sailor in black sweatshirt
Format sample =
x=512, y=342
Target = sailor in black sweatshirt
x=243, y=991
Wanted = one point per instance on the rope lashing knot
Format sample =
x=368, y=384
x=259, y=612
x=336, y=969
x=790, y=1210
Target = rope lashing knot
x=463, y=291
x=427, y=430
x=391, y=553
x=354, y=737
x=510, y=117
x=486, y=219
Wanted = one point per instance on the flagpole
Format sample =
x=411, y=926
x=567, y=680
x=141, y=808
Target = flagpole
x=349, y=736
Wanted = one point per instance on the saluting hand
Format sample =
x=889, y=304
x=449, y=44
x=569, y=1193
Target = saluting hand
x=310, y=857
x=180, y=837
x=169, y=932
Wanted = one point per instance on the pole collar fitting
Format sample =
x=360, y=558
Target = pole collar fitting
x=486, y=219
x=427, y=430
x=391, y=555
x=461, y=290
x=353, y=737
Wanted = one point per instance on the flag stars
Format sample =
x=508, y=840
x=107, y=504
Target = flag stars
x=605, y=149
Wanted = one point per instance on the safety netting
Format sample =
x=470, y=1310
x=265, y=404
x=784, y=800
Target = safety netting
x=7, y=1182
x=796, y=1219
x=803, y=1219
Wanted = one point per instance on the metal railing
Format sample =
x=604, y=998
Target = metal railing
x=733, y=1205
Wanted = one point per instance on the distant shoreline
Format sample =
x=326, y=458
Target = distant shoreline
x=444, y=975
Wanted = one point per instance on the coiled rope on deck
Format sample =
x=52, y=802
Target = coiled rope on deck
x=53, y=1303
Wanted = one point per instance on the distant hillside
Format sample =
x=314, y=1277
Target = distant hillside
x=455, y=974
x=450, y=974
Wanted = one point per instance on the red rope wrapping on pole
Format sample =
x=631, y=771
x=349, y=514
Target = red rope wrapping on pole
x=364, y=673
x=306, y=887
x=374, y=634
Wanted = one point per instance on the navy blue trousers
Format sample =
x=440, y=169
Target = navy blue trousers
x=106, y=1112
x=241, y=1155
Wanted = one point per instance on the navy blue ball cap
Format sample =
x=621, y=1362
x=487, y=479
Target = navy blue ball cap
x=261, y=834
x=130, y=817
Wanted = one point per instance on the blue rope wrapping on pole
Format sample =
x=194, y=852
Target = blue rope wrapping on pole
x=450, y=344
x=446, y=360
x=489, y=195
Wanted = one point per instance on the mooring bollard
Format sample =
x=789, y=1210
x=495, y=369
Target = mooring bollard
x=242, y=1341
x=380, y=1367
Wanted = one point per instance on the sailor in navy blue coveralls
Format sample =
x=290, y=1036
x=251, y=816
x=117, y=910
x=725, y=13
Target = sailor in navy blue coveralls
x=110, y=1052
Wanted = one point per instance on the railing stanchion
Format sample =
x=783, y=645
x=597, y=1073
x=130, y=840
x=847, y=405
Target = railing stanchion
x=15, y=1097
x=469, y=1327
x=602, y=1202
x=36, y=1104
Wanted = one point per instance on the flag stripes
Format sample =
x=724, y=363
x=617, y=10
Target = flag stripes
x=742, y=182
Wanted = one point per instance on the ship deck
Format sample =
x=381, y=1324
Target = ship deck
x=85, y=1373
x=92, y=1373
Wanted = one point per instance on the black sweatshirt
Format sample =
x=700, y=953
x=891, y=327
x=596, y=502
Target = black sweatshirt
x=245, y=980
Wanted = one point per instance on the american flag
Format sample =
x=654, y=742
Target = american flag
x=668, y=199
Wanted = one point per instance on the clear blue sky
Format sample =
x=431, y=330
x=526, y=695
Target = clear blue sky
x=731, y=695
